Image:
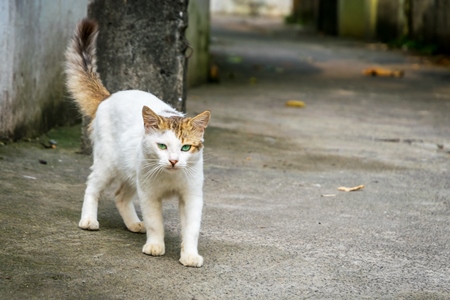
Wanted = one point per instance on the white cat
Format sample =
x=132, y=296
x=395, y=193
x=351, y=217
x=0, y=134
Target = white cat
x=149, y=147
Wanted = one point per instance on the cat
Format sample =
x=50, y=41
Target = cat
x=154, y=151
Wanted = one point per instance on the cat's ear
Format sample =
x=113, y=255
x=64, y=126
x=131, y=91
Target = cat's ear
x=151, y=119
x=201, y=121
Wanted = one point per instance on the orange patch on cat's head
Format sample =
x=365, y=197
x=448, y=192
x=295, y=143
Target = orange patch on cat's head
x=188, y=130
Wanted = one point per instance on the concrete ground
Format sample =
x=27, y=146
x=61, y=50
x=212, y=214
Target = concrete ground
x=275, y=226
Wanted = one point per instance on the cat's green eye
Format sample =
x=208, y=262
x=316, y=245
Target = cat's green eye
x=162, y=146
x=186, y=148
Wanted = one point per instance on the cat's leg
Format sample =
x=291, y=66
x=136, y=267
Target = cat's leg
x=98, y=180
x=190, y=216
x=153, y=219
x=124, y=203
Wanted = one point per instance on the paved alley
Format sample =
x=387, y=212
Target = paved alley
x=275, y=225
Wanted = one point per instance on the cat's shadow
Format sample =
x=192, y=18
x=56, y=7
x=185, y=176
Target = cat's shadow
x=111, y=222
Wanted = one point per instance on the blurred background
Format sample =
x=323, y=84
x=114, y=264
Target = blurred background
x=33, y=37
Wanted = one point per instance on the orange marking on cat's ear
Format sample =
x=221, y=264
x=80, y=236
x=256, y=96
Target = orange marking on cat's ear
x=151, y=119
x=201, y=121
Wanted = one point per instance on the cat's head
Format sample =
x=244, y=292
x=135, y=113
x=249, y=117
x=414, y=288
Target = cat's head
x=174, y=142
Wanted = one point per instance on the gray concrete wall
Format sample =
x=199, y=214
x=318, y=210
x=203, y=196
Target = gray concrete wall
x=431, y=22
x=142, y=46
x=197, y=34
x=426, y=21
x=6, y=62
x=33, y=37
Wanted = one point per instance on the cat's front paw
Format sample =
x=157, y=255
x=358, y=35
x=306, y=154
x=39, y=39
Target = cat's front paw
x=138, y=227
x=89, y=224
x=191, y=260
x=154, y=249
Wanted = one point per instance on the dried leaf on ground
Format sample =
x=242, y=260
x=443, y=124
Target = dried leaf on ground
x=328, y=195
x=295, y=103
x=351, y=189
x=383, y=72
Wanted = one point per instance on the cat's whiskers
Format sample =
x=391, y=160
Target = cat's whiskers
x=209, y=181
x=187, y=171
x=150, y=176
x=191, y=171
x=154, y=166
x=209, y=156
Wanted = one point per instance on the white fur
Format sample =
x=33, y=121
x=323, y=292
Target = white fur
x=123, y=151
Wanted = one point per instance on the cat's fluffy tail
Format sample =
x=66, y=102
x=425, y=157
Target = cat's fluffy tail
x=83, y=80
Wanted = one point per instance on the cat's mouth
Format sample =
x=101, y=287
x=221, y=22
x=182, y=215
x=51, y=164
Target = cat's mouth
x=172, y=169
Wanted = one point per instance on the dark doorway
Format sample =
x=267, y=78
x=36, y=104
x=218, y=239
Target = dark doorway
x=328, y=17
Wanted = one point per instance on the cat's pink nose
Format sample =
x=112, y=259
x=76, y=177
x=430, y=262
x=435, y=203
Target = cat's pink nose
x=173, y=162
